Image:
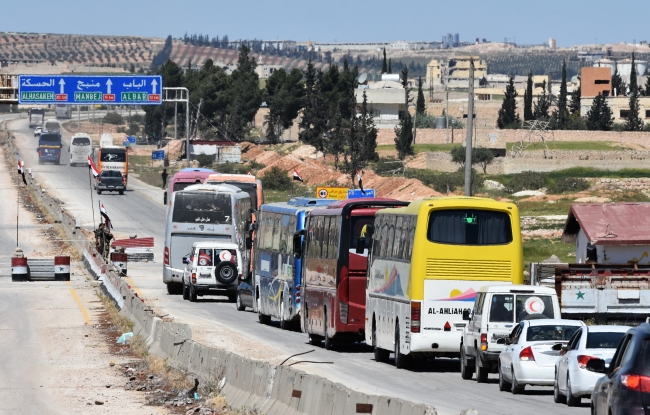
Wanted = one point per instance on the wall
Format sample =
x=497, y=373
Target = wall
x=556, y=160
x=588, y=78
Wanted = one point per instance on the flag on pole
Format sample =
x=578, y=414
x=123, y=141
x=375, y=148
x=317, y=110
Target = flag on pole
x=102, y=210
x=21, y=171
x=20, y=167
x=360, y=182
x=296, y=176
x=92, y=167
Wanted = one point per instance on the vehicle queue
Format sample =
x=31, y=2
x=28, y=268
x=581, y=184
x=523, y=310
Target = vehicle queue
x=439, y=277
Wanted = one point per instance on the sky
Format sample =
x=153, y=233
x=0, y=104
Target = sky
x=570, y=22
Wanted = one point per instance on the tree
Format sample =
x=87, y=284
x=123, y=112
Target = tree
x=316, y=116
x=157, y=116
x=574, y=107
x=528, y=98
x=599, y=116
x=561, y=114
x=483, y=156
x=384, y=66
x=404, y=130
x=618, y=86
x=543, y=104
x=508, y=116
x=164, y=54
x=247, y=96
x=284, y=96
x=634, y=122
x=390, y=66
x=368, y=131
x=420, y=104
x=646, y=90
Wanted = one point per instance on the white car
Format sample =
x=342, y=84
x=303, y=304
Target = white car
x=572, y=379
x=531, y=351
x=212, y=268
x=37, y=131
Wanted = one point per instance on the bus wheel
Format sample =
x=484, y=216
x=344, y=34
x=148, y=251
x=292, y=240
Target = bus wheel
x=466, y=370
x=240, y=306
x=192, y=294
x=329, y=342
x=381, y=355
x=313, y=339
x=401, y=360
x=263, y=318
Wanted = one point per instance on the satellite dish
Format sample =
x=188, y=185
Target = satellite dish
x=363, y=78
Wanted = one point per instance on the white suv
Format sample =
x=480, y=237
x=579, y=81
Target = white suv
x=212, y=268
x=497, y=310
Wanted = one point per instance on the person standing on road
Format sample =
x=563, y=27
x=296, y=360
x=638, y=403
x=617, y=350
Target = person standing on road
x=164, y=177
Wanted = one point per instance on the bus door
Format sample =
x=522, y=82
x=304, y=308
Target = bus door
x=357, y=267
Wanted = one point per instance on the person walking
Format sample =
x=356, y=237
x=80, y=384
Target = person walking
x=164, y=177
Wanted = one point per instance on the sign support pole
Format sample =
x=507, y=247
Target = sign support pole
x=181, y=94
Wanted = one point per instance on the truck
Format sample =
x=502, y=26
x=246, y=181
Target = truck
x=36, y=117
x=49, y=147
x=604, y=293
x=63, y=111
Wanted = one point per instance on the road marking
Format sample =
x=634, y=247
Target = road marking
x=81, y=307
x=133, y=286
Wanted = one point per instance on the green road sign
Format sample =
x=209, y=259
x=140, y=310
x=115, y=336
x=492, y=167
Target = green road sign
x=37, y=96
x=87, y=96
x=135, y=96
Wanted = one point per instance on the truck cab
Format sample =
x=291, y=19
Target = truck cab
x=497, y=310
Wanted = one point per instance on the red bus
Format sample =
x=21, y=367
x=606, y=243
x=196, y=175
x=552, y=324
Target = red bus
x=333, y=274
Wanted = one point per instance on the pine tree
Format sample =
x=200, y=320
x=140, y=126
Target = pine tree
x=561, y=114
x=599, y=116
x=528, y=98
x=619, y=88
x=420, y=104
x=404, y=130
x=574, y=107
x=384, y=65
x=245, y=95
x=634, y=122
x=310, y=85
x=646, y=90
x=390, y=66
x=508, y=116
x=369, y=131
x=316, y=116
x=542, y=105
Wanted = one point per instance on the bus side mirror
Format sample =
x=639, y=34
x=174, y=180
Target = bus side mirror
x=249, y=242
x=361, y=245
x=165, y=198
x=466, y=315
x=297, y=245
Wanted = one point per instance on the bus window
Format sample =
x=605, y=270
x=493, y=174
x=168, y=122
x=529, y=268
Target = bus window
x=469, y=227
x=399, y=239
x=81, y=141
x=268, y=231
x=205, y=257
x=335, y=233
x=356, y=226
x=391, y=236
x=209, y=208
x=113, y=155
x=285, y=230
x=411, y=236
x=276, y=232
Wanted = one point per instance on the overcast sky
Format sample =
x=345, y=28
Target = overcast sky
x=570, y=22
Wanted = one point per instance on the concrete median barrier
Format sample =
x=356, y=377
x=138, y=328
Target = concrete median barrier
x=244, y=382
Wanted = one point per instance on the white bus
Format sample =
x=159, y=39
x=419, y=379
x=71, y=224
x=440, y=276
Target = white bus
x=204, y=213
x=81, y=147
x=51, y=125
x=63, y=111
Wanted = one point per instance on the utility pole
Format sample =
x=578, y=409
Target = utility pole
x=470, y=126
x=175, y=120
x=447, y=102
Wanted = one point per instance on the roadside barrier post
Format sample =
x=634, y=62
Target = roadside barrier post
x=119, y=259
x=18, y=266
x=61, y=268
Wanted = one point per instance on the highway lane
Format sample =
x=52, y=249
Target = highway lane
x=140, y=211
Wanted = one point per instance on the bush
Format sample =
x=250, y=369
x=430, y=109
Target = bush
x=205, y=160
x=527, y=180
x=232, y=168
x=254, y=165
x=137, y=118
x=113, y=118
x=386, y=166
x=568, y=184
x=276, y=179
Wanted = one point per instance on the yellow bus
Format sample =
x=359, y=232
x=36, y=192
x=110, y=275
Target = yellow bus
x=425, y=265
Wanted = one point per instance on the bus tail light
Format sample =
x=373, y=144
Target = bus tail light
x=416, y=315
x=343, y=311
x=298, y=294
x=484, y=343
x=166, y=259
x=194, y=278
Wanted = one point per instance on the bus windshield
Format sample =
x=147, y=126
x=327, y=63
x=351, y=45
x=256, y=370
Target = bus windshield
x=202, y=208
x=113, y=155
x=469, y=227
x=50, y=138
x=250, y=188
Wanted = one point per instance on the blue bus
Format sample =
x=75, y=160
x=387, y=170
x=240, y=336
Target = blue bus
x=273, y=290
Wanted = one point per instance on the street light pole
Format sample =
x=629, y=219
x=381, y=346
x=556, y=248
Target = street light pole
x=470, y=126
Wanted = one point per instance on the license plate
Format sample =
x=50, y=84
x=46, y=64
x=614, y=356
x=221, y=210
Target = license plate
x=205, y=276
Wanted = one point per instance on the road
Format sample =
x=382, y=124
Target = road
x=52, y=359
x=214, y=320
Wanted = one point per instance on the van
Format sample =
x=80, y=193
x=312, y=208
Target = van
x=80, y=149
x=212, y=268
x=497, y=311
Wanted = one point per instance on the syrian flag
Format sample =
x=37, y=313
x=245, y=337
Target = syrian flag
x=102, y=210
x=21, y=171
x=92, y=167
x=360, y=182
x=296, y=176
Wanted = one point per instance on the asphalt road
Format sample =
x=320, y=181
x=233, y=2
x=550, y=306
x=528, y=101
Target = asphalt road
x=140, y=210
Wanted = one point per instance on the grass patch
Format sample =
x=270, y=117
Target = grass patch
x=584, y=172
x=560, y=207
x=539, y=249
x=573, y=145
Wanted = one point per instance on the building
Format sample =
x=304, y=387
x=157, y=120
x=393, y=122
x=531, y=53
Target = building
x=458, y=70
x=433, y=75
x=620, y=107
x=609, y=233
x=595, y=81
x=387, y=102
x=264, y=71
